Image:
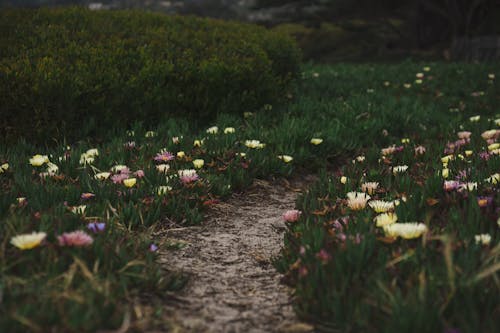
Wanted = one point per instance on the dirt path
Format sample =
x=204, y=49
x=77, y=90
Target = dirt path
x=233, y=286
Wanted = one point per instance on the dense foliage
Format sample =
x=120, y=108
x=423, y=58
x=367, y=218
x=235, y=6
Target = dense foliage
x=70, y=72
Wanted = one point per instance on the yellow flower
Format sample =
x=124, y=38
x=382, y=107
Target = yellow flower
x=163, y=189
x=150, y=134
x=228, y=130
x=28, y=241
x=197, y=143
x=494, y=146
x=181, y=154
x=405, y=230
x=129, y=182
x=493, y=179
x=242, y=154
x=316, y=141
x=343, y=179
x=86, y=159
x=102, y=175
x=447, y=159
x=285, y=158
x=247, y=114
x=474, y=119
x=21, y=200
x=491, y=76
x=380, y=206
x=426, y=68
x=4, y=167
x=468, y=153
x=39, y=160
x=407, y=85
x=198, y=163
x=385, y=219
x=445, y=173
x=213, y=130
x=418, y=81
x=405, y=140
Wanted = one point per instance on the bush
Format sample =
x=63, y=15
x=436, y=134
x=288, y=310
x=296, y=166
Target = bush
x=71, y=72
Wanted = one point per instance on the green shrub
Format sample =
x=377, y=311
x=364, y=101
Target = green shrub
x=70, y=71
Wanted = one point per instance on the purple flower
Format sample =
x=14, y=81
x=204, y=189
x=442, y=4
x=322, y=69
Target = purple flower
x=153, y=247
x=164, y=157
x=119, y=178
x=139, y=173
x=484, y=155
x=96, y=227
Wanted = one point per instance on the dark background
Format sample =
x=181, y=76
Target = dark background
x=352, y=30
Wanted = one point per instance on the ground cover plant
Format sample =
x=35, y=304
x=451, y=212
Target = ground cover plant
x=77, y=218
x=404, y=236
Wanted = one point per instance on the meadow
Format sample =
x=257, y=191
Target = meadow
x=400, y=233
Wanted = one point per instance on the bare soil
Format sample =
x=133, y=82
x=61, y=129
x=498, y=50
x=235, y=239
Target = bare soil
x=233, y=286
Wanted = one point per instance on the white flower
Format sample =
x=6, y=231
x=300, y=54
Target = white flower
x=285, y=158
x=118, y=168
x=52, y=169
x=385, y=219
x=405, y=230
x=163, y=189
x=213, y=130
x=493, y=179
x=474, y=119
x=86, y=159
x=102, y=175
x=399, y=169
x=229, y=130
x=163, y=168
x=150, y=134
x=469, y=186
x=92, y=152
x=380, y=206
x=357, y=200
x=28, y=241
x=369, y=187
x=80, y=210
x=254, y=144
x=483, y=239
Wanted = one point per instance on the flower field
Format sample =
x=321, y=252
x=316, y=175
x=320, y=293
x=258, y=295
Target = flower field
x=400, y=234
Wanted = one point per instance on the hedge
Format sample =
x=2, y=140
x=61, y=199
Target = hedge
x=65, y=70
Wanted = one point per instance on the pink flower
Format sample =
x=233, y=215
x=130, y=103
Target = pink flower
x=87, y=195
x=484, y=155
x=164, y=157
x=450, y=185
x=119, y=178
x=139, y=173
x=420, y=150
x=75, y=238
x=323, y=256
x=188, y=176
x=291, y=215
x=464, y=135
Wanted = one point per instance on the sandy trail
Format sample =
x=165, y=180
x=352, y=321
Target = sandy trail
x=233, y=285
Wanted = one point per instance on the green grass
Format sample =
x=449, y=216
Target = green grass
x=376, y=285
